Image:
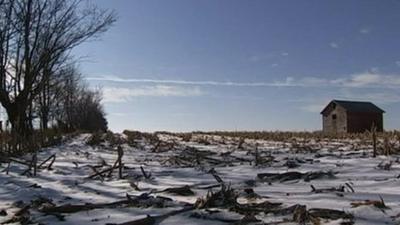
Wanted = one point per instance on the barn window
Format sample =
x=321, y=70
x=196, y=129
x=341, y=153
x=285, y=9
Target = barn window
x=334, y=116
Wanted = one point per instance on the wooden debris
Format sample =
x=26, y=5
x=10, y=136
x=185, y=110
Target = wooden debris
x=209, y=215
x=251, y=208
x=35, y=185
x=134, y=185
x=182, y=191
x=163, y=146
x=341, y=188
x=118, y=163
x=374, y=140
x=69, y=208
x=327, y=190
x=7, y=169
x=283, y=211
x=32, y=165
x=247, y=219
x=143, y=200
x=319, y=175
x=52, y=158
x=3, y=212
x=119, y=160
x=99, y=173
x=208, y=186
x=280, y=177
x=107, y=170
x=151, y=220
x=385, y=165
x=145, y=175
x=288, y=176
x=250, y=193
x=22, y=216
x=217, y=178
x=300, y=214
x=226, y=197
x=204, y=216
x=378, y=204
x=330, y=214
x=241, y=143
x=192, y=157
x=291, y=164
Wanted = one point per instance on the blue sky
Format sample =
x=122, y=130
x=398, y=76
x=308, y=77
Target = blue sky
x=183, y=65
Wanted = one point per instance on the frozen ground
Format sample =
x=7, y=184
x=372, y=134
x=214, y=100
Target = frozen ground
x=353, y=178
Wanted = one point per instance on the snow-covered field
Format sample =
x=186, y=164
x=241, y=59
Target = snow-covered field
x=343, y=174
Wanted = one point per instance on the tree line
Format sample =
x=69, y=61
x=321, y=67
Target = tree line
x=40, y=84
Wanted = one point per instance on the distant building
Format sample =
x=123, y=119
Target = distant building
x=351, y=117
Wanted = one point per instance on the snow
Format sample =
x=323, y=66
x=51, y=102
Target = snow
x=67, y=183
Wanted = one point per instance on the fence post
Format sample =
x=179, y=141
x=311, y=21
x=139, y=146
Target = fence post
x=374, y=139
x=120, y=154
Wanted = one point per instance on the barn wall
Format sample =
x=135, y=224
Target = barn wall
x=328, y=123
x=361, y=122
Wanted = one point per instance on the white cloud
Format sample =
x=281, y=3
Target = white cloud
x=362, y=80
x=284, y=54
x=359, y=80
x=314, y=108
x=288, y=82
x=188, y=82
x=397, y=63
x=334, y=45
x=374, y=80
x=381, y=97
x=365, y=30
x=115, y=94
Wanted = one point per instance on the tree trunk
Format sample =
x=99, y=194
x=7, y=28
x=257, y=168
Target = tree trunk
x=44, y=121
x=18, y=118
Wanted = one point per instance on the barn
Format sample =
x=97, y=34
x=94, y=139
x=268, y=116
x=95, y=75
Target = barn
x=351, y=117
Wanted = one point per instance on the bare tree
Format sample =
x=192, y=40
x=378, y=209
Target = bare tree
x=35, y=35
x=74, y=105
x=47, y=102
